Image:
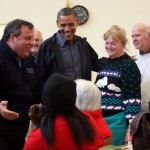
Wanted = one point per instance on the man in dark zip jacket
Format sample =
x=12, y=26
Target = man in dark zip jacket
x=17, y=83
x=65, y=52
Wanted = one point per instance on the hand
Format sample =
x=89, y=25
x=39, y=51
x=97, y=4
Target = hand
x=36, y=114
x=134, y=57
x=7, y=114
x=127, y=137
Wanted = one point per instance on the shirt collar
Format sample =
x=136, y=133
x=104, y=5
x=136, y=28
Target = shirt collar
x=142, y=52
x=61, y=40
x=125, y=55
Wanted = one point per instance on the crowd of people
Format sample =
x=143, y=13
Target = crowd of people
x=49, y=83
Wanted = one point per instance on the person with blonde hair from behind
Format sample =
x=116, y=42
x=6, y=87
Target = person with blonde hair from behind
x=89, y=101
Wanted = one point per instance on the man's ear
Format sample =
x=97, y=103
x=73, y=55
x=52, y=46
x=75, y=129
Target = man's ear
x=149, y=34
x=12, y=36
x=57, y=23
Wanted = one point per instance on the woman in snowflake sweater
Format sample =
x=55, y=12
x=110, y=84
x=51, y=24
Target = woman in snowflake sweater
x=119, y=80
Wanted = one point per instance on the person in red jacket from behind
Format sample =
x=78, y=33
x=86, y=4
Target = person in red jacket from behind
x=63, y=126
x=89, y=101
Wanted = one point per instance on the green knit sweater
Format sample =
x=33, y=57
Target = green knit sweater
x=119, y=80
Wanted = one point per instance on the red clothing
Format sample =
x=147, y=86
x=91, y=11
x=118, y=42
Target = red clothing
x=100, y=121
x=63, y=138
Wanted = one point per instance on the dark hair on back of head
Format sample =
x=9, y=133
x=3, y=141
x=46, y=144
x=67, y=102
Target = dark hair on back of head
x=81, y=128
x=15, y=28
x=59, y=98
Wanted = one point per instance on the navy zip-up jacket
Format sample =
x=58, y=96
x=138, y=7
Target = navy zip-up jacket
x=17, y=85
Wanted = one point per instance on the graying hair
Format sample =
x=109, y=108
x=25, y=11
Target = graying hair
x=14, y=27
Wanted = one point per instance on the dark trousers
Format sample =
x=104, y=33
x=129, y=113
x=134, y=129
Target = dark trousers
x=12, y=137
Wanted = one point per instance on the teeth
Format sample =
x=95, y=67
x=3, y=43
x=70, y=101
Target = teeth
x=67, y=34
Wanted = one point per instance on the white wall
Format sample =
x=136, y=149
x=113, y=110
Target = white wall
x=103, y=14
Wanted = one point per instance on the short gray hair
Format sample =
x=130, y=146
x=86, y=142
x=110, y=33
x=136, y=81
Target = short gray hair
x=88, y=95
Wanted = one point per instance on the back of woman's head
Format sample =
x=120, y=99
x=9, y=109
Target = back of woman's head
x=88, y=95
x=59, y=94
x=59, y=97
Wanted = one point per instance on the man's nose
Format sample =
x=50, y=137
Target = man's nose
x=134, y=37
x=32, y=42
x=67, y=28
